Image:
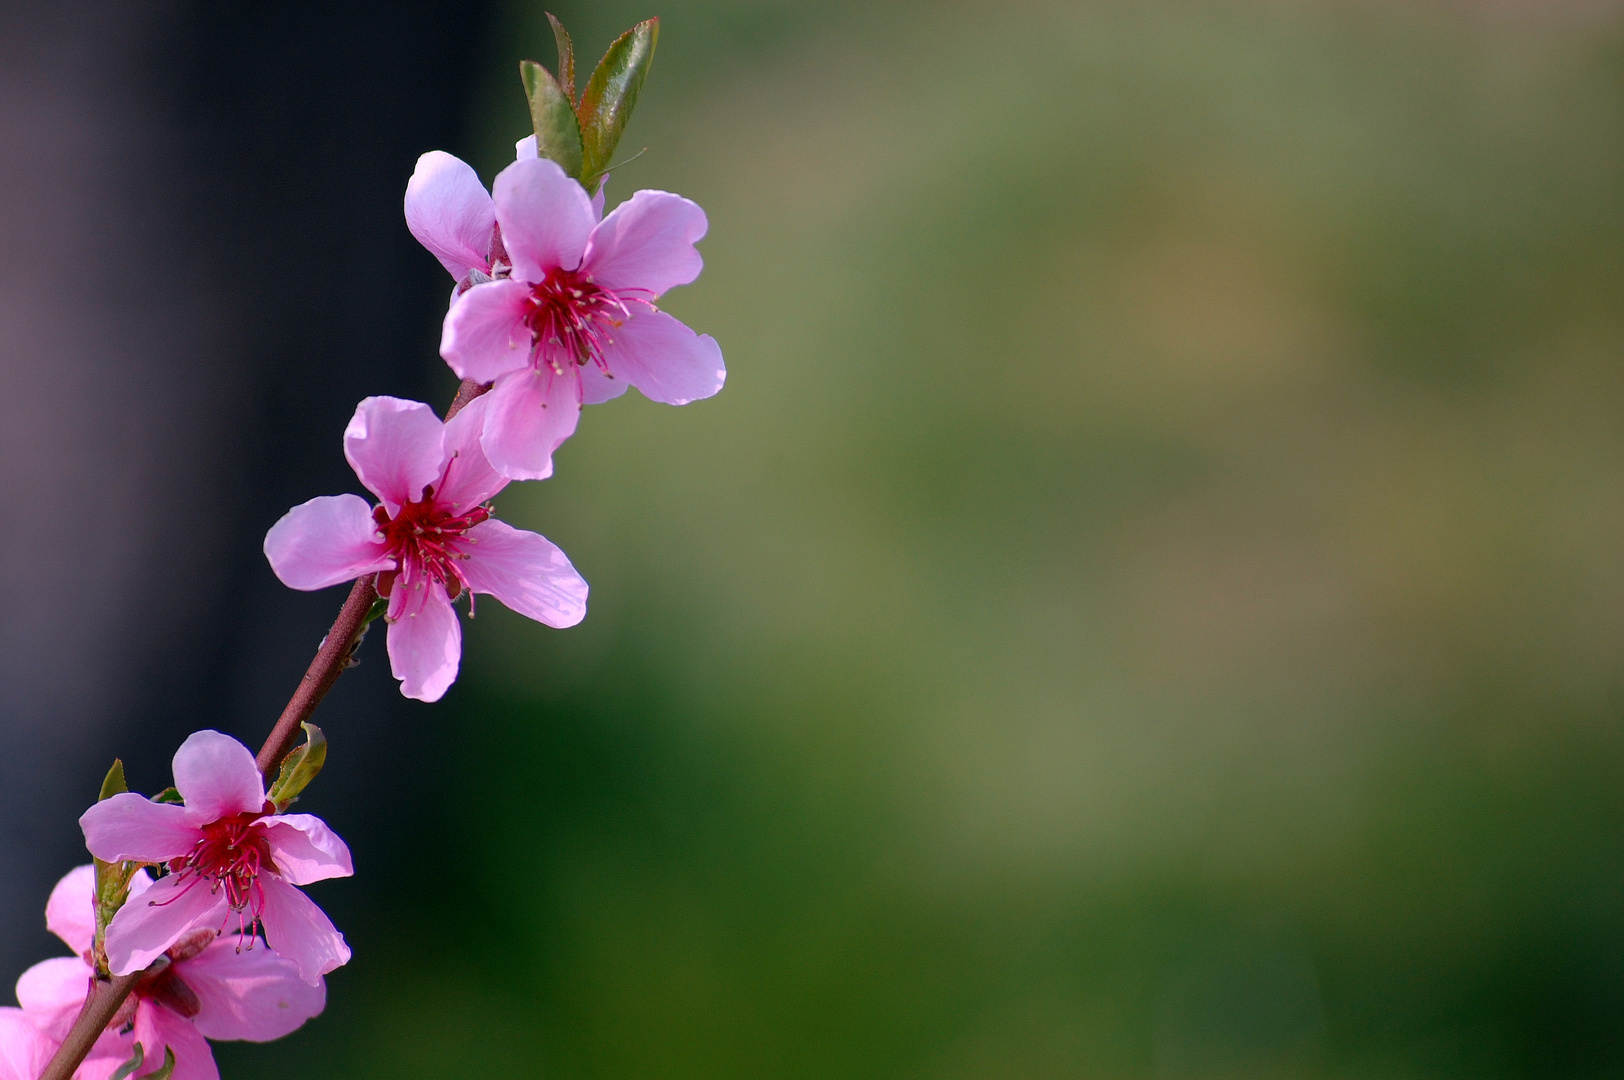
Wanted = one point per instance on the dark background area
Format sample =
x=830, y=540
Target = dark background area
x=206, y=270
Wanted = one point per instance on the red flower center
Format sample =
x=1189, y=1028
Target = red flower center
x=230, y=856
x=425, y=539
x=571, y=318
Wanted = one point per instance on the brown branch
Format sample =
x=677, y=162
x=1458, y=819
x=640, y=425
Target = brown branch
x=332, y=657
x=467, y=392
x=101, y=1005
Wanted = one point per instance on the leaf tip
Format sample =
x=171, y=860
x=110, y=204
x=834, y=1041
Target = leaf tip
x=113, y=783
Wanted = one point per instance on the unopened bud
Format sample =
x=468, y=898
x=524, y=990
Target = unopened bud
x=191, y=943
x=174, y=994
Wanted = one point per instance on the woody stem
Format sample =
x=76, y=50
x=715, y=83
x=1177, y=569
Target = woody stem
x=331, y=659
x=101, y=1005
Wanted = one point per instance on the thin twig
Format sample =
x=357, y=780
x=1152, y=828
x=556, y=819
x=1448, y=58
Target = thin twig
x=467, y=392
x=331, y=659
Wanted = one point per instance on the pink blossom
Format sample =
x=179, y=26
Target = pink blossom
x=431, y=539
x=214, y=987
x=451, y=214
x=564, y=314
x=24, y=1049
x=230, y=857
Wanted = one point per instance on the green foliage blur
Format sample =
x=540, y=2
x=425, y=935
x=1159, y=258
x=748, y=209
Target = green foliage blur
x=1149, y=601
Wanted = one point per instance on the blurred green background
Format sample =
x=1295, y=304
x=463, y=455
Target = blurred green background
x=1148, y=603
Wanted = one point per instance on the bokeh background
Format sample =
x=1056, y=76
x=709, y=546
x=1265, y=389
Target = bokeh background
x=1149, y=601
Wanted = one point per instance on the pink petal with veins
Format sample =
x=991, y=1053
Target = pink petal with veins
x=530, y=415
x=305, y=849
x=70, y=913
x=53, y=991
x=325, y=541
x=484, y=334
x=449, y=212
x=145, y=927
x=253, y=993
x=425, y=640
x=157, y=1028
x=24, y=1050
x=598, y=386
x=527, y=572
x=545, y=216
x=396, y=447
x=129, y=826
x=665, y=360
x=469, y=478
x=217, y=777
x=646, y=245
x=301, y=931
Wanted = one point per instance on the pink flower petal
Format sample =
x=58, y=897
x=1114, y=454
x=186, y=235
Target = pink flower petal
x=325, y=541
x=129, y=826
x=305, y=849
x=425, y=641
x=469, y=478
x=24, y=1050
x=53, y=991
x=449, y=212
x=251, y=993
x=484, y=334
x=217, y=777
x=525, y=148
x=597, y=199
x=144, y=928
x=301, y=931
x=530, y=415
x=111, y=1052
x=647, y=245
x=526, y=572
x=157, y=1028
x=546, y=217
x=598, y=386
x=396, y=447
x=70, y=913
x=665, y=360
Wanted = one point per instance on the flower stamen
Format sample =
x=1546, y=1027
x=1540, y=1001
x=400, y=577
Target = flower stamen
x=231, y=854
x=425, y=539
x=571, y=317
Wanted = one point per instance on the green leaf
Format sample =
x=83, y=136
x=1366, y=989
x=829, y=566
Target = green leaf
x=169, y=795
x=135, y=1062
x=299, y=768
x=566, y=57
x=138, y=1058
x=558, y=136
x=112, y=889
x=114, y=783
x=112, y=879
x=610, y=95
